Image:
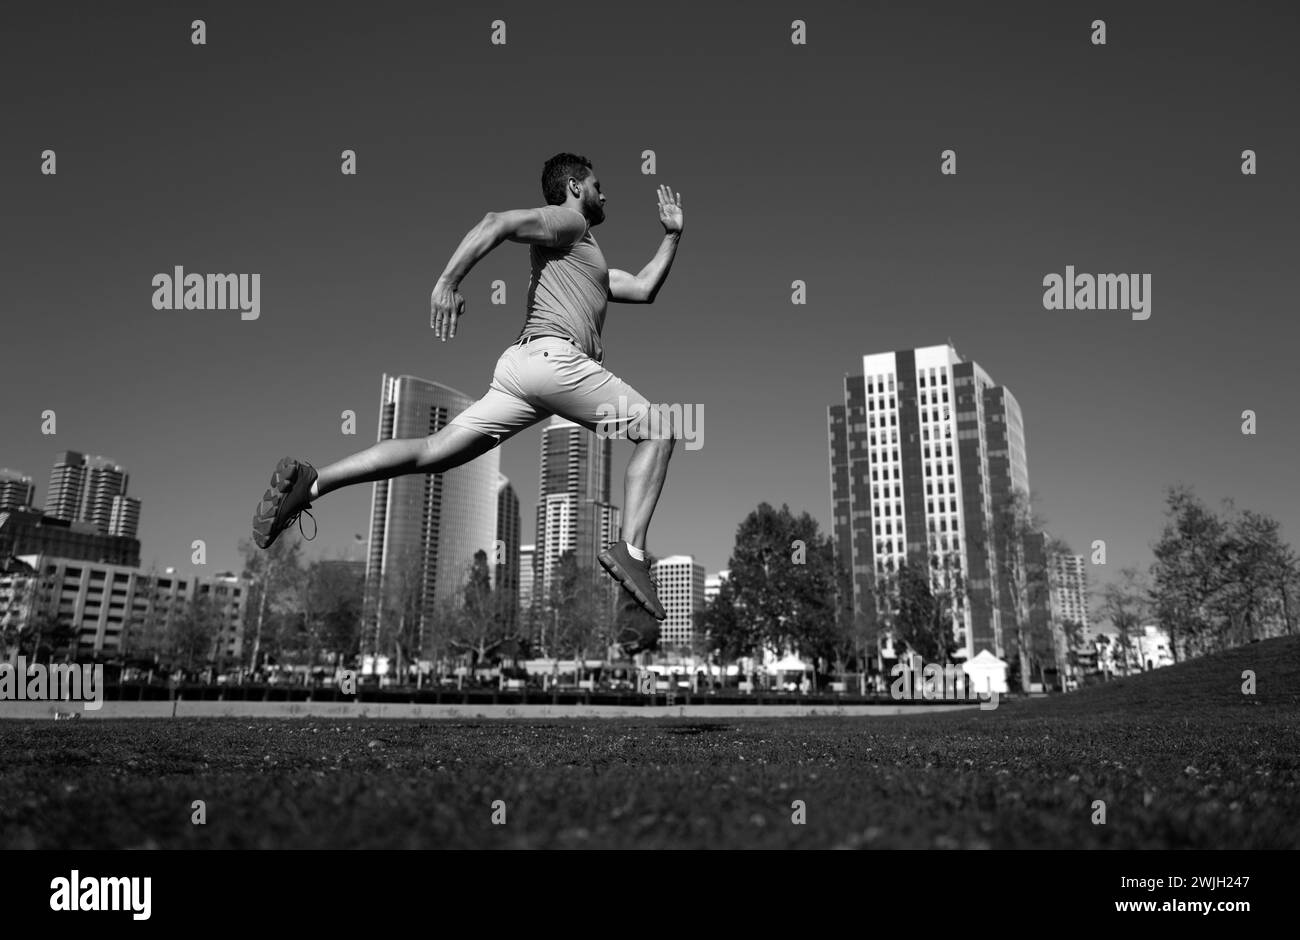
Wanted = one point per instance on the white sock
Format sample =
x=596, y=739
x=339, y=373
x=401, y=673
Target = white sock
x=637, y=553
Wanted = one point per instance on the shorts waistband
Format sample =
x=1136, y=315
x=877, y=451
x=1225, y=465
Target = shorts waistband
x=525, y=340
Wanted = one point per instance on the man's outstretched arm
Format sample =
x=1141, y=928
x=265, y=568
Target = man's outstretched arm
x=643, y=287
x=548, y=226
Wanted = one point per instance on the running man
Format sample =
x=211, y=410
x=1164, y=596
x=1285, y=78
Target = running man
x=552, y=368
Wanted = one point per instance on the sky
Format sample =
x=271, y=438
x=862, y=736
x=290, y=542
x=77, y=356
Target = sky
x=817, y=162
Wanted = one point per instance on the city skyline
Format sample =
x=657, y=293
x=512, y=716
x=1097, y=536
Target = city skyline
x=894, y=254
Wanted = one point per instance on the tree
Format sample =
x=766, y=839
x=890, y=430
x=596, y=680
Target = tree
x=144, y=636
x=327, y=614
x=276, y=574
x=1047, y=641
x=1253, y=557
x=915, y=615
x=194, y=633
x=1221, y=580
x=32, y=626
x=1014, y=524
x=1286, y=576
x=338, y=605
x=578, y=610
x=1186, y=574
x=483, y=615
x=783, y=578
x=402, y=611
x=1124, y=604
x=729, y=634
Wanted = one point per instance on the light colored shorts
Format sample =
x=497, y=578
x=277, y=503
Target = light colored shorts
x=546, y=376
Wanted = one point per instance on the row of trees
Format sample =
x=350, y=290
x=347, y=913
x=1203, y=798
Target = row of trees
x=314, y=614
x=1219, y=580
x=786, y=591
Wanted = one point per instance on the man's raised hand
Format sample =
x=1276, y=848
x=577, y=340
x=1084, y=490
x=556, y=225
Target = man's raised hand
x=446, y=307
x=670, y=209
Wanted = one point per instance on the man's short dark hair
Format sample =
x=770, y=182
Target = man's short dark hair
x=556, y=173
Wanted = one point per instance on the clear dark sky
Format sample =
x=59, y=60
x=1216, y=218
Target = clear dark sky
x=818, y=162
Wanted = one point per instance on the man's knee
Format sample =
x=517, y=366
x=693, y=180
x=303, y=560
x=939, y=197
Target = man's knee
x=456, y=444
x=658, y=423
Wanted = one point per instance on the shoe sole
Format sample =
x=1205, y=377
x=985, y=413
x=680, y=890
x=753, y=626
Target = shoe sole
x=282, y=480
x=610, y=564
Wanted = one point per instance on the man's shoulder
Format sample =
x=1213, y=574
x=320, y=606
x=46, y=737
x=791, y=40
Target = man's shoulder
x=568, y=220
x=553, y=209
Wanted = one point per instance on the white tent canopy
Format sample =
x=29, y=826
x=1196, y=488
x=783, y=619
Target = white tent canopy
x=986, y=673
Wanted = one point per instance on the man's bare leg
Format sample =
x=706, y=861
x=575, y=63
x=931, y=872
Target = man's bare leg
x=295, y=484
x=646, y=472
x=626, y=560
x=448, y=448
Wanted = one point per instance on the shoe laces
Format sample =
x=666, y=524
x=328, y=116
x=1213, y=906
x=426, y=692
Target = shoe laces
x=297, y=516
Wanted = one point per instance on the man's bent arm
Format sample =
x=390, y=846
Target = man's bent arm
x=530, y=226
x=654, y=273
x=480, y=240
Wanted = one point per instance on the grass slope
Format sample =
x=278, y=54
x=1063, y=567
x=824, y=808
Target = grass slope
x=1181, y=758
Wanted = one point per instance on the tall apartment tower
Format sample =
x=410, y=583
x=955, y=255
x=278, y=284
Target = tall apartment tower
x=92, y=490
x=679, y=582
x=1059, y=595
x=1069, y=579
x=505, y=570
x=923, y=447
x=67, y=487
x=16, y=490
x=424, y=528
x=527, y=596
x=573, y=508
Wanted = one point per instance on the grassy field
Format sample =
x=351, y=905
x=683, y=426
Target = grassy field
x=1181, y=758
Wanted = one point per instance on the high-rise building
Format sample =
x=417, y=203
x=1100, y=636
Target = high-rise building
x=124, y=517
x=527, y=596
x=679, y=582
x=424, y=528
x=574, y=513
x=16, y=490
x=1069, y=580
x=92, y=490
x=1058, y=594
x=67, y=487
x=923, y=449
x=105, y=481
x=505, y=571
